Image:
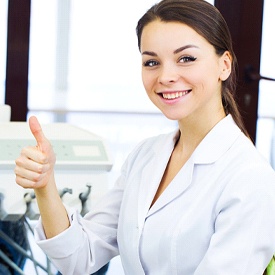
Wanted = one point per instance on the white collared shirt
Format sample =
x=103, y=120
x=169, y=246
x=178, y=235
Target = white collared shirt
x=215, y=217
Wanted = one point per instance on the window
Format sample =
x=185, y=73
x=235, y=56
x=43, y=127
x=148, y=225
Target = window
x=3, y=47
x=86, y=56
x=266, y=111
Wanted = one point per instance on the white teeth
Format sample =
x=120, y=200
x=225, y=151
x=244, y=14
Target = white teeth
x=174, y=95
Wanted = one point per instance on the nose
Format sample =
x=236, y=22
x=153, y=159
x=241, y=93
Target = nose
x=168, y=75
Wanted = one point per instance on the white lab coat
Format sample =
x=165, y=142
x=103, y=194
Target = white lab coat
x=217, y=216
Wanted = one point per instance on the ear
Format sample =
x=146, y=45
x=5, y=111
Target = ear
x=225, y=65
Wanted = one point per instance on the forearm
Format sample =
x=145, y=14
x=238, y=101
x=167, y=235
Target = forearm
x=53, y=213
x=35, y=169
x=89, y=242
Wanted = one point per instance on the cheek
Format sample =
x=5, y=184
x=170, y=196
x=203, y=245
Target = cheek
x=205, y=78
x=196, y=79
x=147, y=81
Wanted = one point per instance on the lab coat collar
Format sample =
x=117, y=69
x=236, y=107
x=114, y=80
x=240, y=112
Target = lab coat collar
x=212, y=147
x=217, y=141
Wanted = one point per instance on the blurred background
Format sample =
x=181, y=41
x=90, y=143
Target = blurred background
x=78, y=62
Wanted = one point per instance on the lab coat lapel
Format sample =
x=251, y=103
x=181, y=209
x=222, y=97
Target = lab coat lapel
x=152, y=175
x=178, y=185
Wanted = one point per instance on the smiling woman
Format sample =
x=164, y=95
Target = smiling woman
x=198, y=200
x=175, y=71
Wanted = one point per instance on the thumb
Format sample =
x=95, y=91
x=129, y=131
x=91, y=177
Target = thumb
x=38, y=134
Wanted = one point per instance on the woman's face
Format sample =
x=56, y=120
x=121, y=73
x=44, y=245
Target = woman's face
x=181, y=72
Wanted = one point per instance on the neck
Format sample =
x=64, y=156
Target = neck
x=193, y=130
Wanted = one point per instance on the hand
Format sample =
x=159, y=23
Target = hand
x=35, y=166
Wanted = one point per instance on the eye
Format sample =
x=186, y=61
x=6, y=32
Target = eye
x=150, y=63
x=187, y=59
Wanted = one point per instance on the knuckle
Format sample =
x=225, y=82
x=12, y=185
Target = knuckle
x=15, y=170
x=40, y=168
x=18, y=161
x=37, y=178
x=24, y=151
x=17, y=180
x=43, y=159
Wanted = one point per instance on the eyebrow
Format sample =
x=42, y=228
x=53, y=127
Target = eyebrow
x=184, y=48
x=175, y=51
x=149, y=53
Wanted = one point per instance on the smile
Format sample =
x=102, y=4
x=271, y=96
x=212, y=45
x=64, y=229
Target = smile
x=175, y=95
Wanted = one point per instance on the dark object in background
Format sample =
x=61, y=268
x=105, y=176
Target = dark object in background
x=16, y=231
x=102, y=271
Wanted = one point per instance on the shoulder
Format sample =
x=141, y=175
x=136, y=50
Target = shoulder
x=248, y=174
x=245, y=155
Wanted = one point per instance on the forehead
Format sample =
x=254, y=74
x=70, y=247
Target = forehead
x=174, y=34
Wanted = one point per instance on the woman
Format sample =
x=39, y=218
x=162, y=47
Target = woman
x=196, y=201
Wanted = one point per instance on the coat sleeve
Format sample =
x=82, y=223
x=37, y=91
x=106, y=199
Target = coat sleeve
x=91, y=241
x=244, y=238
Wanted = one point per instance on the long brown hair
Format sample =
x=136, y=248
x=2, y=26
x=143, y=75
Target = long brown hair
x=207, y=21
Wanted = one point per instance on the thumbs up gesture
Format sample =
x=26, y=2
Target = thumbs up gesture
x=35, y=166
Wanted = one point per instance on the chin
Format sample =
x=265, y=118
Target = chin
x=172, y=116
